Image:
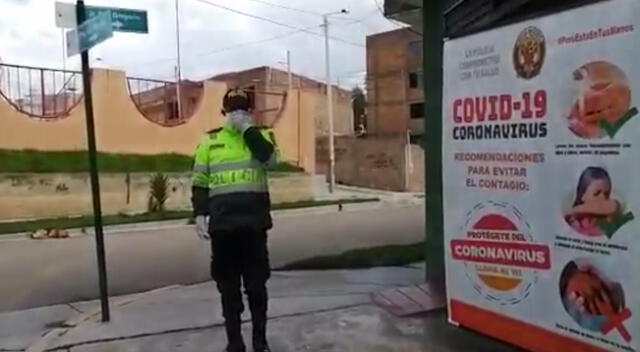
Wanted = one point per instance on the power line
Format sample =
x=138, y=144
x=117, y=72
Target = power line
x=399, y=25
x=231, y=47
x=287, y=8
x=241, y=45
x=277, y=23
x=362, y=19
x=308, y=12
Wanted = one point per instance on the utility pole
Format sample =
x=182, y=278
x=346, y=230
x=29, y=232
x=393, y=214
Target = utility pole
x=64, y=51
x=332, y=152
x=289, y=69
x=93, y=167
x=179, y=68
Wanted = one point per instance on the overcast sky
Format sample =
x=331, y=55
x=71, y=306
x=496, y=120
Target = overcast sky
x=28, y=36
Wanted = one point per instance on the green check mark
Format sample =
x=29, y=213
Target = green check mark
x=612, y=129
x=611, y=227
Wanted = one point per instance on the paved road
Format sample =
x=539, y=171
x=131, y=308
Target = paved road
x=39, y=273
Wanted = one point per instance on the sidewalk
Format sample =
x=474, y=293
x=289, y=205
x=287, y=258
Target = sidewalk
x=352, y=192
x=309, y=311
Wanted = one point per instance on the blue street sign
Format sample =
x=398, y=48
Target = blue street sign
x=123, y=20
x=89, y=34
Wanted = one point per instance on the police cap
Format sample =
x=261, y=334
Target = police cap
x=236, y=99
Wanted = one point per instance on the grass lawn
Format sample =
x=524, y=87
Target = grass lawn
x=87, y=221
x=396, y=255
x=31, y=161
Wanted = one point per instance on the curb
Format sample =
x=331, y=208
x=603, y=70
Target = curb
x=53, y=335
x=181, y=224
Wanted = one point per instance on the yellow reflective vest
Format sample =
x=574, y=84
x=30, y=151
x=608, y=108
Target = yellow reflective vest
x=229, y=181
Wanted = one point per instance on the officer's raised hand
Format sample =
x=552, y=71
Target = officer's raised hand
x=240, y=120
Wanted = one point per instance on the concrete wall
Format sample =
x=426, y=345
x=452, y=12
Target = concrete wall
x=416, y=169
x=295, y=130
x=377, y=163
x=121, y=128
x=342, y=116
x=32, y=196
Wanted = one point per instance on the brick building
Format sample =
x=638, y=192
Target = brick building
x=48, y=106
x=271, y=83
x=158, y=100
x=394, y=83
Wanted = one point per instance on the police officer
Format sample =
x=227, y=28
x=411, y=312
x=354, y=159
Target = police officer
x=232, y=209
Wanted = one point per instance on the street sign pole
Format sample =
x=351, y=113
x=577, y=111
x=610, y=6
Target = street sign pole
x=93, y=166
x=433, y=41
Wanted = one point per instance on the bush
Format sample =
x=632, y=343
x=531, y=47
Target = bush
x=158, y=193
x=32, y=161
x=77, y=161
x=394, y=255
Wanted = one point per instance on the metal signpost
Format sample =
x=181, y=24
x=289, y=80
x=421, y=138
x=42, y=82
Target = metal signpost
x=93, y=162
x=93, y=25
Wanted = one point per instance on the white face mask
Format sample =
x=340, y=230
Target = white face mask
x=240, y=119
x=238, y=115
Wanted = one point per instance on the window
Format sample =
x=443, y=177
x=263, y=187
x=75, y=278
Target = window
x=416, y=110
x=415, y=80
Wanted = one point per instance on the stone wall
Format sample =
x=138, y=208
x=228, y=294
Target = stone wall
x=32, y=196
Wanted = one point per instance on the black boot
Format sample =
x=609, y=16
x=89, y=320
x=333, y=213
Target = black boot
x=264, y=348
x=260, y=335
x=258, y=304
x=232, y=308
x=234, y=336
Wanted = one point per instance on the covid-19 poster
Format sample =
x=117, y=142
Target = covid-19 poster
x=541, y=151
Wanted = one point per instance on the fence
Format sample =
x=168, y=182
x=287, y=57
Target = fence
x=158, y=100
x=41, y=93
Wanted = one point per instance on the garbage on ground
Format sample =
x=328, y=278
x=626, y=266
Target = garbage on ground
x=49, y=234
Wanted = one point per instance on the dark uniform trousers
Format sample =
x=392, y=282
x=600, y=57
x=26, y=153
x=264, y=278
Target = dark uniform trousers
x=241, y=256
